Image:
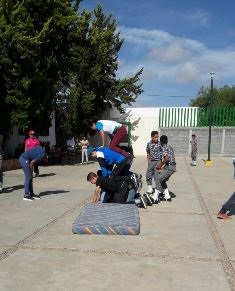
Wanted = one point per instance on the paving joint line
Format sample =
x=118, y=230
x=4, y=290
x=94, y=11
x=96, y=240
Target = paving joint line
x=5, y=254
x=121, y=253
x=225, y=260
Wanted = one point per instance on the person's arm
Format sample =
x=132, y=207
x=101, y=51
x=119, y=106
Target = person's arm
x=148, y=152
x=96, y=195
x=31, y=165
x=102, y=134
x=165, y=159
x=25, y=145
x=105, y=171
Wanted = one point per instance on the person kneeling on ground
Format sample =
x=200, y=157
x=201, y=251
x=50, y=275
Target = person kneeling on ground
x=164, y=170
x=227, y=209
x=117, y=190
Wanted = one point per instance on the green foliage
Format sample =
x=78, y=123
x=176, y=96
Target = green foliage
x=222, y=97
x=49, y=47
x=94, y=86
x=34, y=38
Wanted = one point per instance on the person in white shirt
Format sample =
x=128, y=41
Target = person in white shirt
x=84, y=144
x=116, y=131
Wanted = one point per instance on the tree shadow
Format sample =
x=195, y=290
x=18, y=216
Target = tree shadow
x=134, y=124
x=12, y=188
x=52, y=192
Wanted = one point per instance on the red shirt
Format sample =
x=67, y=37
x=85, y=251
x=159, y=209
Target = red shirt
x=31, y=143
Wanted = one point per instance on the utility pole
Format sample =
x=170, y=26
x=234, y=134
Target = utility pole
x=209, y=161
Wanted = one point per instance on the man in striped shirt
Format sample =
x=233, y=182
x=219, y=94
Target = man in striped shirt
x=164, y=170
x=154, y=155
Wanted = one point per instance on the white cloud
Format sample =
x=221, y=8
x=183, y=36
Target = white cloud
x=187, y=73
x=200, y=16
x=174, y=52
x=167, y=57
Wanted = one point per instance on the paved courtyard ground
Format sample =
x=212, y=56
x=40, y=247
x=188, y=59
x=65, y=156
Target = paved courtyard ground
x=182, y=245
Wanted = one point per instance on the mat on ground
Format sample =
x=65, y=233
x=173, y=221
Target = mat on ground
x=108, y=218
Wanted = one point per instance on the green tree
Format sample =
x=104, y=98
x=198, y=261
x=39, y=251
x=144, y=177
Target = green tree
x=35, y=42
x=222, y=97
x=94, y=84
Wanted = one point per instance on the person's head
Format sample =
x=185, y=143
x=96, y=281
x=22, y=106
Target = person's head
x=193, y=136
x=154, y=136
x=92, y=123
x=84, y=138
x=91, y=152
x=32, y=134
x=163, y=139
x=92, y=178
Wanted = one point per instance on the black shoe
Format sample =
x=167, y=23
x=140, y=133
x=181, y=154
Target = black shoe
x=162, y=199
x=169, y=200
x=148, y=199
x=36, y=197
x=134, y=181
x=27, y=197
x=143, y=202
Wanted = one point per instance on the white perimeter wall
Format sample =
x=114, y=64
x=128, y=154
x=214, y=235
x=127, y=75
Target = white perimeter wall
x=144, y=120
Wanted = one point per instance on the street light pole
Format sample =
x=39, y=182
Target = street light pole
x=209, y=161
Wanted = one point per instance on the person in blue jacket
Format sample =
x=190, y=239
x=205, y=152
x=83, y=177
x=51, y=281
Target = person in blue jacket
x=107, y=158
x=28, y=160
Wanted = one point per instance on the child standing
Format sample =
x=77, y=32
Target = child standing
x=84, y=144
x=193, y=143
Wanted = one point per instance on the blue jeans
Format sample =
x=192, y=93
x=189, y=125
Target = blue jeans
x=234, y=168
x=28, y=179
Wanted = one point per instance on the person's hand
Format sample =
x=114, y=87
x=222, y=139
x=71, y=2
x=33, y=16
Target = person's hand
x=96, y=198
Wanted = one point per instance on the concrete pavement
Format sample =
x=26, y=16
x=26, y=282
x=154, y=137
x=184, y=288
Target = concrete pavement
x=181, y=246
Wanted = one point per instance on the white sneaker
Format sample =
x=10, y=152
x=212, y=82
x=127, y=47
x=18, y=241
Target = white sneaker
x=166, y=194
x=155, y=195
x=150, y=189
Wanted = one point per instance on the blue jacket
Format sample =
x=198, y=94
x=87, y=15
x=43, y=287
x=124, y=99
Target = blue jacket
x=107, y=158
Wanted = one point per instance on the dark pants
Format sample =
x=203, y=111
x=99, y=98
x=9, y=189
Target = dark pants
x=28, y=179
x=1, y=174
x=123, y=168
x=117, y=138
x=229, y=205
x=121, y=195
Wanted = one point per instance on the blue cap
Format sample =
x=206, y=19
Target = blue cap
x=90, y=150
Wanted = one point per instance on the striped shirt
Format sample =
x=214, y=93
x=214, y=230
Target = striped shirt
x=154, y=150
x=168, y=151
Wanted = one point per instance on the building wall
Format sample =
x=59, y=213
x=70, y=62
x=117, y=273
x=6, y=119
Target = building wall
x=14, y=139
x=222, y=140
x=144, y=120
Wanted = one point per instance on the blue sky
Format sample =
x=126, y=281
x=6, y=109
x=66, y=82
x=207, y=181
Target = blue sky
x=177, y=42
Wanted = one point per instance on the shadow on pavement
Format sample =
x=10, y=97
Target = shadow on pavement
x=172, y=194
x=52, y=192
x=12, y=188
x=46, y=175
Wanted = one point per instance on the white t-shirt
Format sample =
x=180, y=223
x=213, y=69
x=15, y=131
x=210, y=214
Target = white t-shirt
x=108, y=126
